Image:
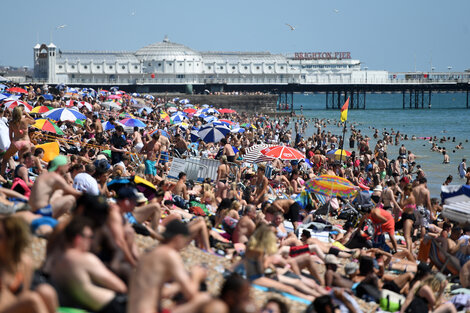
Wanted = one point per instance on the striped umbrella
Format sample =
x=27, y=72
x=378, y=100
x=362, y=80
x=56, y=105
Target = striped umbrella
x=64, y=114
x=283, y=153
x=11, y=104
x=165, y=117
x=132, y=122
x=253, y=154
x=126, y=115
x=329, y=185
x=41, y=109
x=47, y=125
x=107, y=126
x=70, y=103
x=85, y=104
x=210, y=111
x=336, y=154
x=194, y=136
x=177, y=118
x=213, y=132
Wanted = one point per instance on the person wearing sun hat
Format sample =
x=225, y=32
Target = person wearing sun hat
x=51, y=194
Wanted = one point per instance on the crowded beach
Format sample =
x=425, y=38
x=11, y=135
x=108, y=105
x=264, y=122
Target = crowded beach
x=125, y=202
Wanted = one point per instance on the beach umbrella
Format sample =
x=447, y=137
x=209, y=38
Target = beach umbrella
x=107, y=126
x=118, y=183
x=184, y=101
x=3, y=87
x=205, y=106
x=283, y=153
x=226, y=122
x=85, y=104
x=114, y=97
x=209, y=111
x=70, y=103
x=126, y=115
x=182, y=125
x=237, y=130
x=175, y=119
x=172, y=109
x=146, y=109
x=17, y=90
x=110, y=104
x=41, y=109
x=4, y=96
x=213, y=132
x=165, y=117
x=189, y=110
x=193, y=136
x=175, y=99
x=211, y=118
x=132, y=122
x=248, y=125
x=329, y=185
x=227, y=111
x=46, y=125
x=11, y=104
x=48, y=96
x=64, y=114
x=336, y=154
x=145, y=187
x=253, y=154
x=188, y=105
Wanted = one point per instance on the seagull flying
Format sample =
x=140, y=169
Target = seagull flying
x=61, y=26
x=290, y=26
x=336, y=10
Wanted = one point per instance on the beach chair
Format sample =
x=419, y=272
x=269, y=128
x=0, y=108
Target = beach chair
x=445, y=262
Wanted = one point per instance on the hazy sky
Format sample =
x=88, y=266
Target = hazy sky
x=396, y=35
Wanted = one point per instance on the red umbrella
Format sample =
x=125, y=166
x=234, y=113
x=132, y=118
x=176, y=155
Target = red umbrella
x=283, y=153
x=17, y=89
x=190, y=110
x=70, y=103
x=226, y=121
x=14, y=103
x=227, y=111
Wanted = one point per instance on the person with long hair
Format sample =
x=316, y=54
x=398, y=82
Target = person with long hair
x=18, y=132
x=16, y=272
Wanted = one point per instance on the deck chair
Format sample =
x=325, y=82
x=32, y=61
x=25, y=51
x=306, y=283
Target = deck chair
x=444, y=261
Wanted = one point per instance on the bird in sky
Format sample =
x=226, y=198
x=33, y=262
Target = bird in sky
x=61, y=26
x=133, y=13
x=290, y=26
x=336, y=10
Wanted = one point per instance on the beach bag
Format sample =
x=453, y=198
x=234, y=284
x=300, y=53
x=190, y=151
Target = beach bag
x=19, y=185
x=391, y=301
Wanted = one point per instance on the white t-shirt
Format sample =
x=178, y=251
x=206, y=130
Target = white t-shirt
x=86, y=183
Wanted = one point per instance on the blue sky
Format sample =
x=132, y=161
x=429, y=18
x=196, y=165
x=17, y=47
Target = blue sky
x=391, y=35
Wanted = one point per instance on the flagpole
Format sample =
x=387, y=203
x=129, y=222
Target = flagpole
x=342, y=143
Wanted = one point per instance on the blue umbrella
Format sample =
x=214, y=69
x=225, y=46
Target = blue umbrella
x=64, y=114
x=132, y=122
x=4, y=96
x=175, y=99
x=48, y=96
x=209, y=111
x=184, y=101
x=238, y=130
x=177, y=118
x=149, y=110
x=189, y=105
x=108, y=126
x=2, y=86
x=213, y=132
x=211, y=118
x=205, y=105
x=194, y=136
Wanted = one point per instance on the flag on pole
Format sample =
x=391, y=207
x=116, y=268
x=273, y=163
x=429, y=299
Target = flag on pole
x=344, y=111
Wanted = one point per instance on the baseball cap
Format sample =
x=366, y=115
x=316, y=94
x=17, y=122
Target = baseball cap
x=127, y=193
x=351, y=268
x=331, y=259
x=174, y=228
x=101, y=165
x=59, y=160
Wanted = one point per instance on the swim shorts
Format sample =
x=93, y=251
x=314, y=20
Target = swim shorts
x=45, y=220
x=293, y=214
x=45, y=211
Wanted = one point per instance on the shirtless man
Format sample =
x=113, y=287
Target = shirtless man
x=227, y=150
x=98, y=127
x=423, y=205
x=163, y=265
x=164, y=148
x=137, y=140
x=411, y=157
x=290, y=209
x=153, y=145
x=180, y=145
x=261, y=185
x=245, y=226
x=180, y=188
x=82, y=279
x=51, y=194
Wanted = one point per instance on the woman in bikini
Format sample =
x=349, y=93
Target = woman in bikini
x=19, y=138
x=222, y=178
x=408, y=205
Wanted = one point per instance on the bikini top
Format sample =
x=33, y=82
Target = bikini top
x=410, y=206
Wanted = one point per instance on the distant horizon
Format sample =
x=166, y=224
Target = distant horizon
x=394, y=36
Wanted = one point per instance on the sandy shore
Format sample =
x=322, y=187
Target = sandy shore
x=192, y=256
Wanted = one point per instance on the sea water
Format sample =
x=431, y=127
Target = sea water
x=447, y=117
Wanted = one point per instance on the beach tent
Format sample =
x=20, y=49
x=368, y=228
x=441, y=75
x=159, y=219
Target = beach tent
x=456, y=201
